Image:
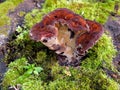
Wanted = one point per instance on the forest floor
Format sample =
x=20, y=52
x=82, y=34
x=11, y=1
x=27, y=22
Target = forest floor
x=16, y=20
x=112, y=25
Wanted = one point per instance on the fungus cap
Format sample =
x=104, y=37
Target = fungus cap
x=69, y=34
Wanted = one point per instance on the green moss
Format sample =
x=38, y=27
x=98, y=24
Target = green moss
x=78, y=79
x=101, y=54
x=33, y=84
x=41, y=56
x=5, y=7
x=97, y=11
x=22, y=13
x=35, y=16
x=82, y=79
x=89, y=76
x=22, y=45
x=23, y=73
x=15, y=70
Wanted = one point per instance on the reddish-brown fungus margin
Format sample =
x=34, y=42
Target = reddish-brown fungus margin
x=69, y=34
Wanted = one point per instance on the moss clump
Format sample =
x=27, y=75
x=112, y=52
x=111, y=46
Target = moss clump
x=41, y=56
x=89, y=76
x=82, y=79
x=33, y=84
x=22, y=45
x=62, y=78
x=101, y=54
x=15, y=70
x=5, y=7
x=23, y=73
x=97, y=11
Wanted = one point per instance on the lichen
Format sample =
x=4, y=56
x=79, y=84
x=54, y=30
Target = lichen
x=89, y=76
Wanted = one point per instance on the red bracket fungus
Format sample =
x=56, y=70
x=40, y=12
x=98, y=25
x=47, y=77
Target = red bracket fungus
x=68, y=34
